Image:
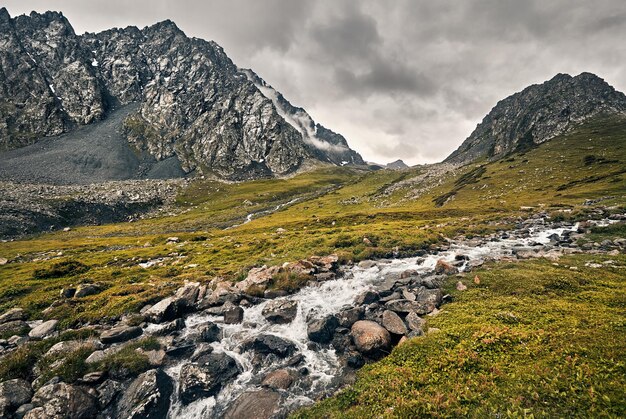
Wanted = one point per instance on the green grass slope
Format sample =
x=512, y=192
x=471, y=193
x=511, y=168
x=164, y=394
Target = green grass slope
x=399, y=213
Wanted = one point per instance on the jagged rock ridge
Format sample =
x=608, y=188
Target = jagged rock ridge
x=194, y=103
x=539, y=113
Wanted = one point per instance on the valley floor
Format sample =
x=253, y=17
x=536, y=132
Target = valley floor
x=539, y=337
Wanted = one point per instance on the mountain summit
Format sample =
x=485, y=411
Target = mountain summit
x=539, y=113
x=178, y=100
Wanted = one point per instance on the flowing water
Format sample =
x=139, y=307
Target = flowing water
x=329, y=298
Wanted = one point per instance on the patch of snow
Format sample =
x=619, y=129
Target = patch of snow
x=52, y=88
x=94, y=63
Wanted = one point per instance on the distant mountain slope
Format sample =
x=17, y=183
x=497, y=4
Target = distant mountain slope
x=539, y=113
x=397, y=165
x=194, y=103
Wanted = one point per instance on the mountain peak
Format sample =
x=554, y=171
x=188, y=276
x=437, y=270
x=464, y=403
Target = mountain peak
x=175, y=101
x=539, y=113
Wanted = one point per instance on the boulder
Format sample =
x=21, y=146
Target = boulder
x=120, y=333
x=210, y=332
x=270, y=344
x=406, y=306
x=393, y=323
x=258, y=279
x=207, y=379
x=187, y=296
x=256, y=404
x=107, y=391
x=443, y=267
x=232, y=314
x=328, y=263
x=147, y=397
x=349, y=316
x=280, y=311
x=85, y=290
x=163, y=311
x=168, y=328
x=67, y=292
x=278, y=380
x=367, y=264
x=13, y=394
x=429, y=296
x=365, y=298
x=13, y=314
x=370, y=338
x=415, y=322
x=273, y=293
x=322, y=330
x=61, y=400
x=44, y=329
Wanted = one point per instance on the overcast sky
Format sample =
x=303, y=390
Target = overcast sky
x=405, y=79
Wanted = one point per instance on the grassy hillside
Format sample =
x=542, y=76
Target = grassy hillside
x=336, y=209
x=531, y=338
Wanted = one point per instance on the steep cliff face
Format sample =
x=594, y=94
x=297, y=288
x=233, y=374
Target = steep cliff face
x=539, y=113
x=321, y=142
x=194, y=103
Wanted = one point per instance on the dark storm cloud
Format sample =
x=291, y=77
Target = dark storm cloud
x=403, y=79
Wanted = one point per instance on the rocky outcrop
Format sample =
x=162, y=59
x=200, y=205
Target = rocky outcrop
x=61, y=400
x=194, y=104
x=147, y=397
x=199, y=380
x=539, y=113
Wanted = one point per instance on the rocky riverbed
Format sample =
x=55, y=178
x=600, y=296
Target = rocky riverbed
x=248, y=350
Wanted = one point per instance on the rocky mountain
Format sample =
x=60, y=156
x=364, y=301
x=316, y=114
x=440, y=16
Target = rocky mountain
x=539, y=113
x=190, y=103
x=397, y=165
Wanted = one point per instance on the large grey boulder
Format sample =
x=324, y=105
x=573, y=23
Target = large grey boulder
x=84, y=290
x=255, y=404
x=280, y=311
x=44, y=329
x=206, y=377
x=62, y=401
x=270, y=344
x=393, y=323
x=13, y=314
x=322, y=330
x=147, y=397
x=120, y=333
x=13, y=394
